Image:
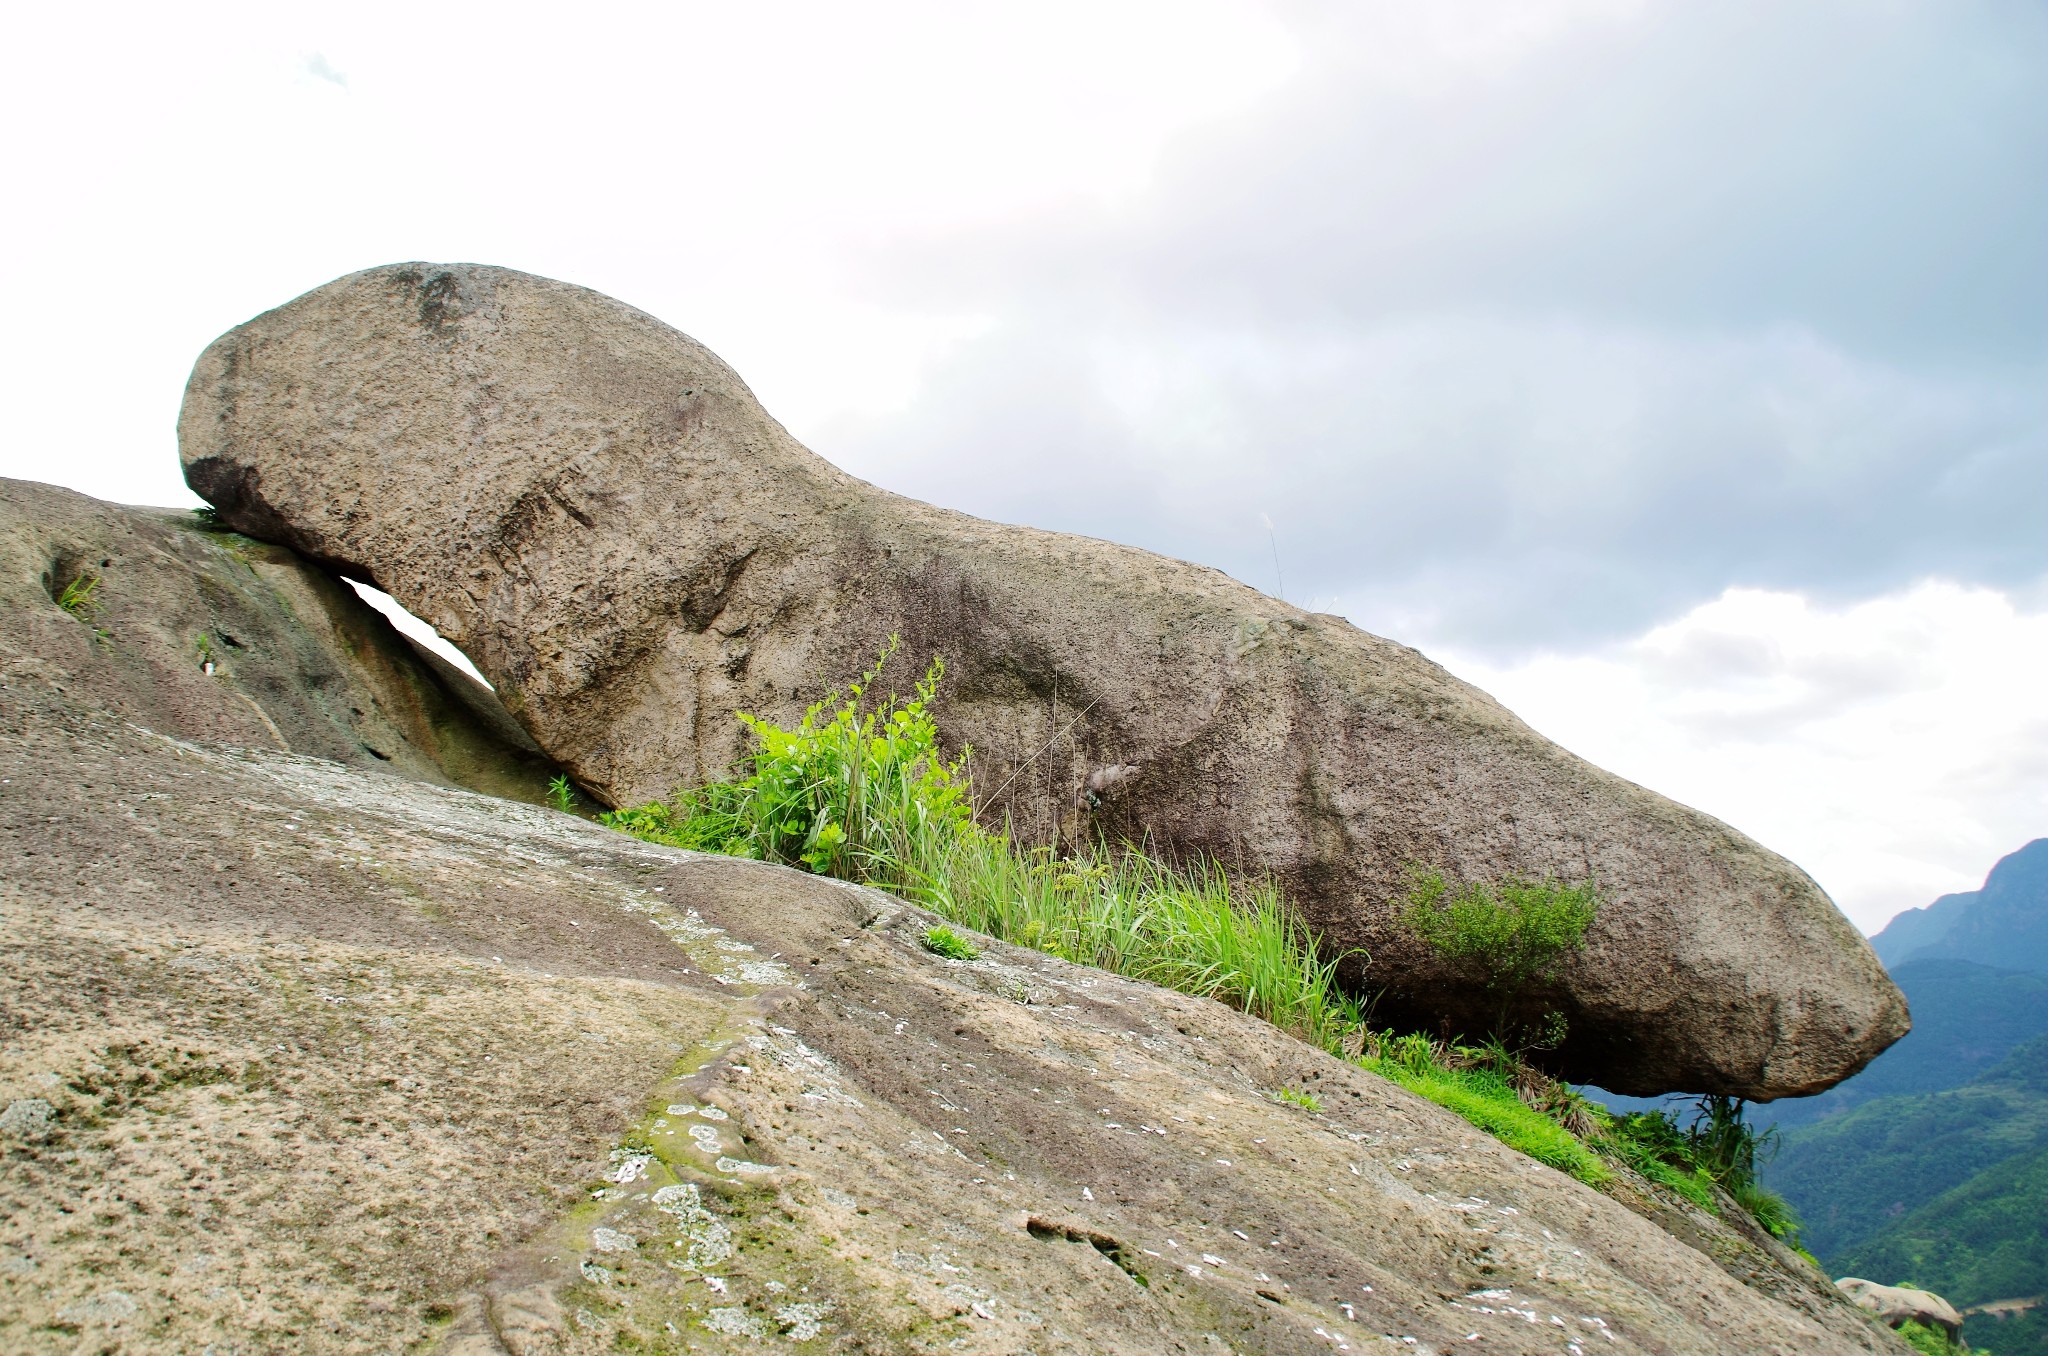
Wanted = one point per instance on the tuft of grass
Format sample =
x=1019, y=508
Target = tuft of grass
x=943, y=941
x=80, y=597
x=1189, y=928
x=1463, y=1080
x=1307, y=1101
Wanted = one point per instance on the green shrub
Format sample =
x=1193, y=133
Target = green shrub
x=1509, y=935
x=561, y=795
x=860, y=794
x=943, y=941
x=1932, y=1341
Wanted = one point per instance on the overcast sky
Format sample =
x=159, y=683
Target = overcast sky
x=1677, y=372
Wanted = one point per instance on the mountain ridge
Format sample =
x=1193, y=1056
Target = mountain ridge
x=2003, y=923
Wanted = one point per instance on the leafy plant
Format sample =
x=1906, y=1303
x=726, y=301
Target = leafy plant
x=561, y=795
x=80, y=597
x=1511, y=935
x=943, y=941
x=210, y=519
x=858, y=791
x=1307, y=1101
x=1925, y=1338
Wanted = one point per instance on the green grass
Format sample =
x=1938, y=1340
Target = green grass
x=943, y=941
x=861, y=791
x=1490, y=1102
x=1307, y=1101
x=79, y=597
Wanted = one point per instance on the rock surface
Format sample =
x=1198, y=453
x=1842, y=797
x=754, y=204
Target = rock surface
x=303, y=1057
x=1898, y=1304
x=599, y=513
x=298, y=661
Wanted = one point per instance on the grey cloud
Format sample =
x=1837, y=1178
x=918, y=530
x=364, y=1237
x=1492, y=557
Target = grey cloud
x=1492, y=484
x=1730, y=294
x=1871, y=174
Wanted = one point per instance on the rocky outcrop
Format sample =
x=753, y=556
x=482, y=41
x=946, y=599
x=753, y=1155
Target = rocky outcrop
x=210, y=635
x=1896, y=1305
x=599, y=513
x=305, y=1057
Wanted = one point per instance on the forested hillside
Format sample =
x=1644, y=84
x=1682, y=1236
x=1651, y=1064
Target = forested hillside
x=1931, y=1167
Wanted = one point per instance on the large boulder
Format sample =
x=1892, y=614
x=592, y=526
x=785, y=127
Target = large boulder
x=598, y=512
x=1897, y=1305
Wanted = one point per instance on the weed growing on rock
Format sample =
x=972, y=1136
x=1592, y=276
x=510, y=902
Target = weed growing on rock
x=943, y=941
x=1719, y=1148
x=1490, y=1087
x=561, y=795
x=862, y=791
x=1307, y=1101
x=80, y=597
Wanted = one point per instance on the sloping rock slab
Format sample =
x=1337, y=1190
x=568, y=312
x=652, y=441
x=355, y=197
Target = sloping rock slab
x=301, y=1057
x=210, y=635
x=596, y=509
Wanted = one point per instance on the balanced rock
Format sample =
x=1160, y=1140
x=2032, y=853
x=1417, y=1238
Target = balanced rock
x=599, y=513
x=1897, y=1305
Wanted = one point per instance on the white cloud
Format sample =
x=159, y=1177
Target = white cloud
x=1893, y=747
x=1489, y=481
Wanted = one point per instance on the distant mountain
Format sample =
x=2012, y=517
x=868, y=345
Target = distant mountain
x=2004, y=924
